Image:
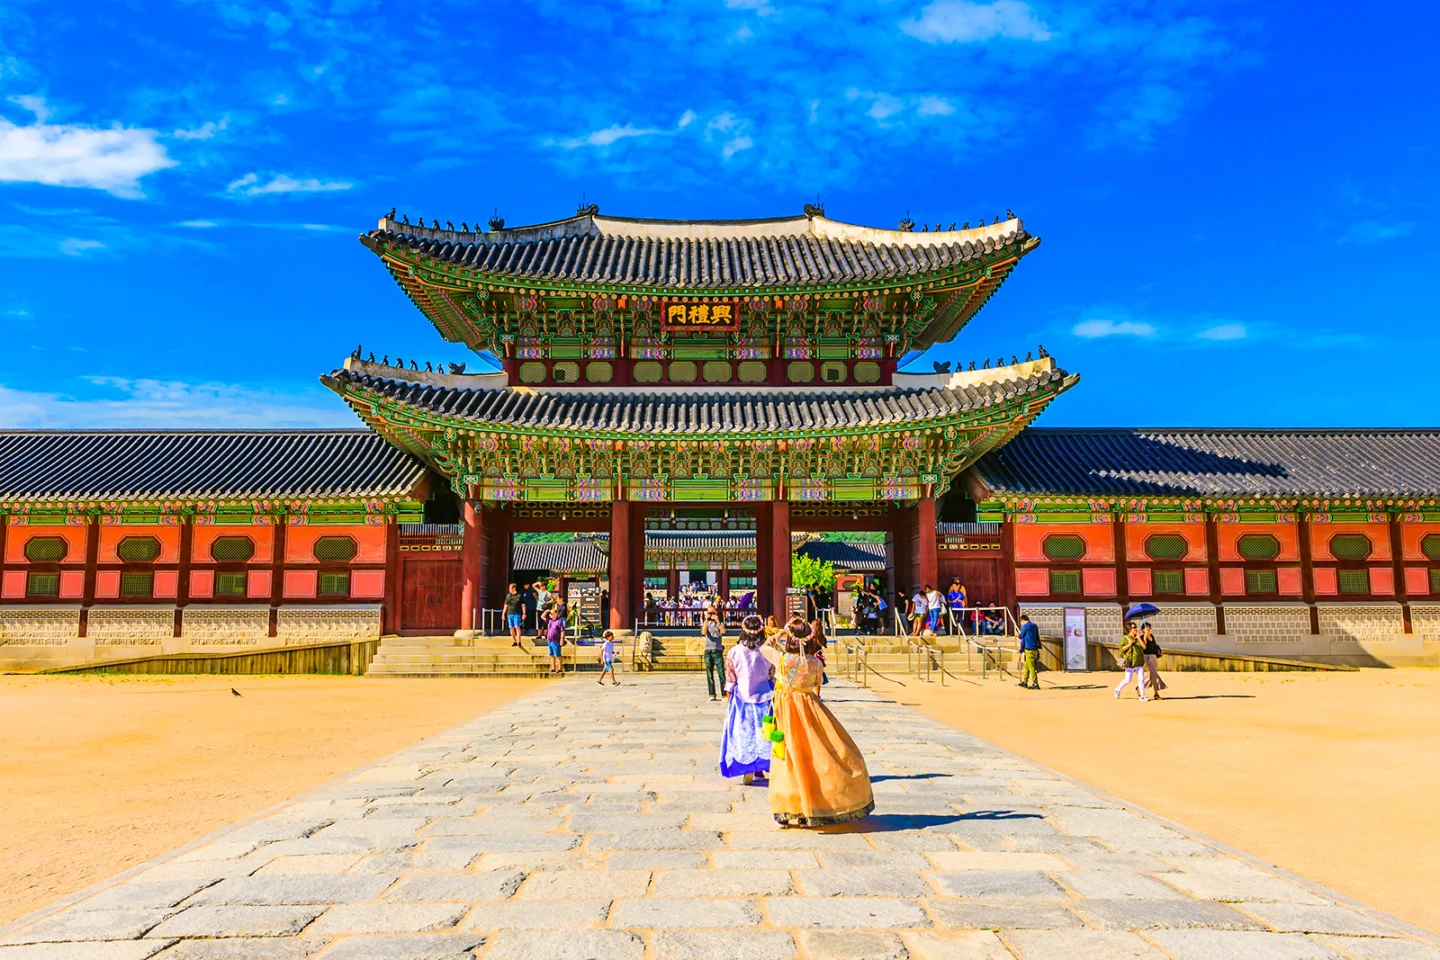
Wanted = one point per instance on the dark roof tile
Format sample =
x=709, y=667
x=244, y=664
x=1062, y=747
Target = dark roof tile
x=86, y=465
x=1136, y=462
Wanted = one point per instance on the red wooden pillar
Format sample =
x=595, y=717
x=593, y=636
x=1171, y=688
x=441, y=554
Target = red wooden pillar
x=779, y=555
x=471, y=568
x=1122, y=557
x=1397, y=565
x=927, y=554
x=92, y=560
x=277, y=570
x=390, y=612
x=1307, y=570
x=1212, y=559
x=620, y=565
x=182, y=588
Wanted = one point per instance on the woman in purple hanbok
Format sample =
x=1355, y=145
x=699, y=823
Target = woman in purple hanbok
x=749, y=688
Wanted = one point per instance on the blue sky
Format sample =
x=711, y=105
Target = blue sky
x=1238, y=199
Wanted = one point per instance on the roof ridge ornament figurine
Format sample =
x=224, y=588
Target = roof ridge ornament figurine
x=497, y=222
x=908, y=224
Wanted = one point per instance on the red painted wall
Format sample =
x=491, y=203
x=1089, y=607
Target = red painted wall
x=1099, y=540
x=369, y=541
x=74, y=538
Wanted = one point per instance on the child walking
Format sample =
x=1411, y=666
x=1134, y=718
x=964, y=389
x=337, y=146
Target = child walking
x=607, y=659
x=744, y=748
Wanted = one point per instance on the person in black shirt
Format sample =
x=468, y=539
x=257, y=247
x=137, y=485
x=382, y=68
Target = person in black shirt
x=514, y=606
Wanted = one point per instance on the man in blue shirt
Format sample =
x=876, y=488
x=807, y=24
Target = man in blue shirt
x=1030, y=651
x=958, y=602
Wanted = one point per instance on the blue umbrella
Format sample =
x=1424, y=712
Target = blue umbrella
x=1141, y=610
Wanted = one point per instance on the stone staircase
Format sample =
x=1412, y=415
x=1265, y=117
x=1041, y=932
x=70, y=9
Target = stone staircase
x=446, y=656
x=481, y=657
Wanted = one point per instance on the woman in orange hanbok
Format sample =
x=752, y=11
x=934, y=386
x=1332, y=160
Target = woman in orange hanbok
x=821, y=779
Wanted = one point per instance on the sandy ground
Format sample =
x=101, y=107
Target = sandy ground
x=1333, y=776
x=101, y=773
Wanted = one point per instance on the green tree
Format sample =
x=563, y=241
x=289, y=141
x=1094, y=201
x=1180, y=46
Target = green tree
x=806, y=571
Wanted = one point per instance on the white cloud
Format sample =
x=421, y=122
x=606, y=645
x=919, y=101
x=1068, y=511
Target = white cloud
x=934, y=107
x=123, y=402
x=609, y=135
x=206, y=131
x=71, y=155
x=1091, y=329
x=199, y=224
x=962, y=21
x=687, y=118
x=884, y=106
x=1366, y=232
x=73, y=246
x=734, y=146
x=761, y=7
x=1224, y=331
x=250, y=185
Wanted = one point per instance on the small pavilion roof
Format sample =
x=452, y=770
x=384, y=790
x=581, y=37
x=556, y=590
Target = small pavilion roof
x=702, y=254
x=682, y=411
x=1217, y=462
x=62, y=466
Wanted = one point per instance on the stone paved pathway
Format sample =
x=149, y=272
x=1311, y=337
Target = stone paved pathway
x=583, y=823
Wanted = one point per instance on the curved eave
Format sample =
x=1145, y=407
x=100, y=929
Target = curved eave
x=1033, y=394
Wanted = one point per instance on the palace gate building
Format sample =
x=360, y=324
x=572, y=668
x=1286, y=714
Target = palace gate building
x=665, y=381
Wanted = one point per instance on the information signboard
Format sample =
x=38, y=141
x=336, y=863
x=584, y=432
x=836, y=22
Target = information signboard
x=1075, y=651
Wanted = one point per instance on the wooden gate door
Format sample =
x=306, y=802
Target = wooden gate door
x=430, y=595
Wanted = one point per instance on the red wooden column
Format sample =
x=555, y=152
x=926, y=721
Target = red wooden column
x=281, y=522
x=620, y=566
x=1397, y=564
x=390, y=612
x=927, y=554
x=92, y=559
x=1212, y=558
x=1307, y=570
x=182, y=589
x=471, y=567
x=779, y=555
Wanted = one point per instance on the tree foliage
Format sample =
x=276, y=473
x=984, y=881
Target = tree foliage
x=806, y=571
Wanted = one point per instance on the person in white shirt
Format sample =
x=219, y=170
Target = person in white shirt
x=919, y=612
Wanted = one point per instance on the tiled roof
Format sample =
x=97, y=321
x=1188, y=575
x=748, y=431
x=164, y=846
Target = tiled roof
x=95, y=465
x=702, y=254
x=1215, y=463
x=590, y=553
x=579, y=556
x=848, y=554
x=678, y=411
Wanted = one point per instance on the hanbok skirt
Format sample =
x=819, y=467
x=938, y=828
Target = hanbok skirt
x=823, y=779
x=743, y=747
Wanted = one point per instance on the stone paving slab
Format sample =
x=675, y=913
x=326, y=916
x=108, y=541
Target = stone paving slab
x=583, y=825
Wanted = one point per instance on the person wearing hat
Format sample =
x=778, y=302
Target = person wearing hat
x=1030, y=652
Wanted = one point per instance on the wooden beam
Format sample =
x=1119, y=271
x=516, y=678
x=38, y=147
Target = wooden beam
x=1397, y=565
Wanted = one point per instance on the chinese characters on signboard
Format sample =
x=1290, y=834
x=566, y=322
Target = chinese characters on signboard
x=690, y=315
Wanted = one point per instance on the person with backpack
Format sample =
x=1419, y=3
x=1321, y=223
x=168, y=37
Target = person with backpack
x=1132, y=658
x=1030, y=652
x=1152, y=660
